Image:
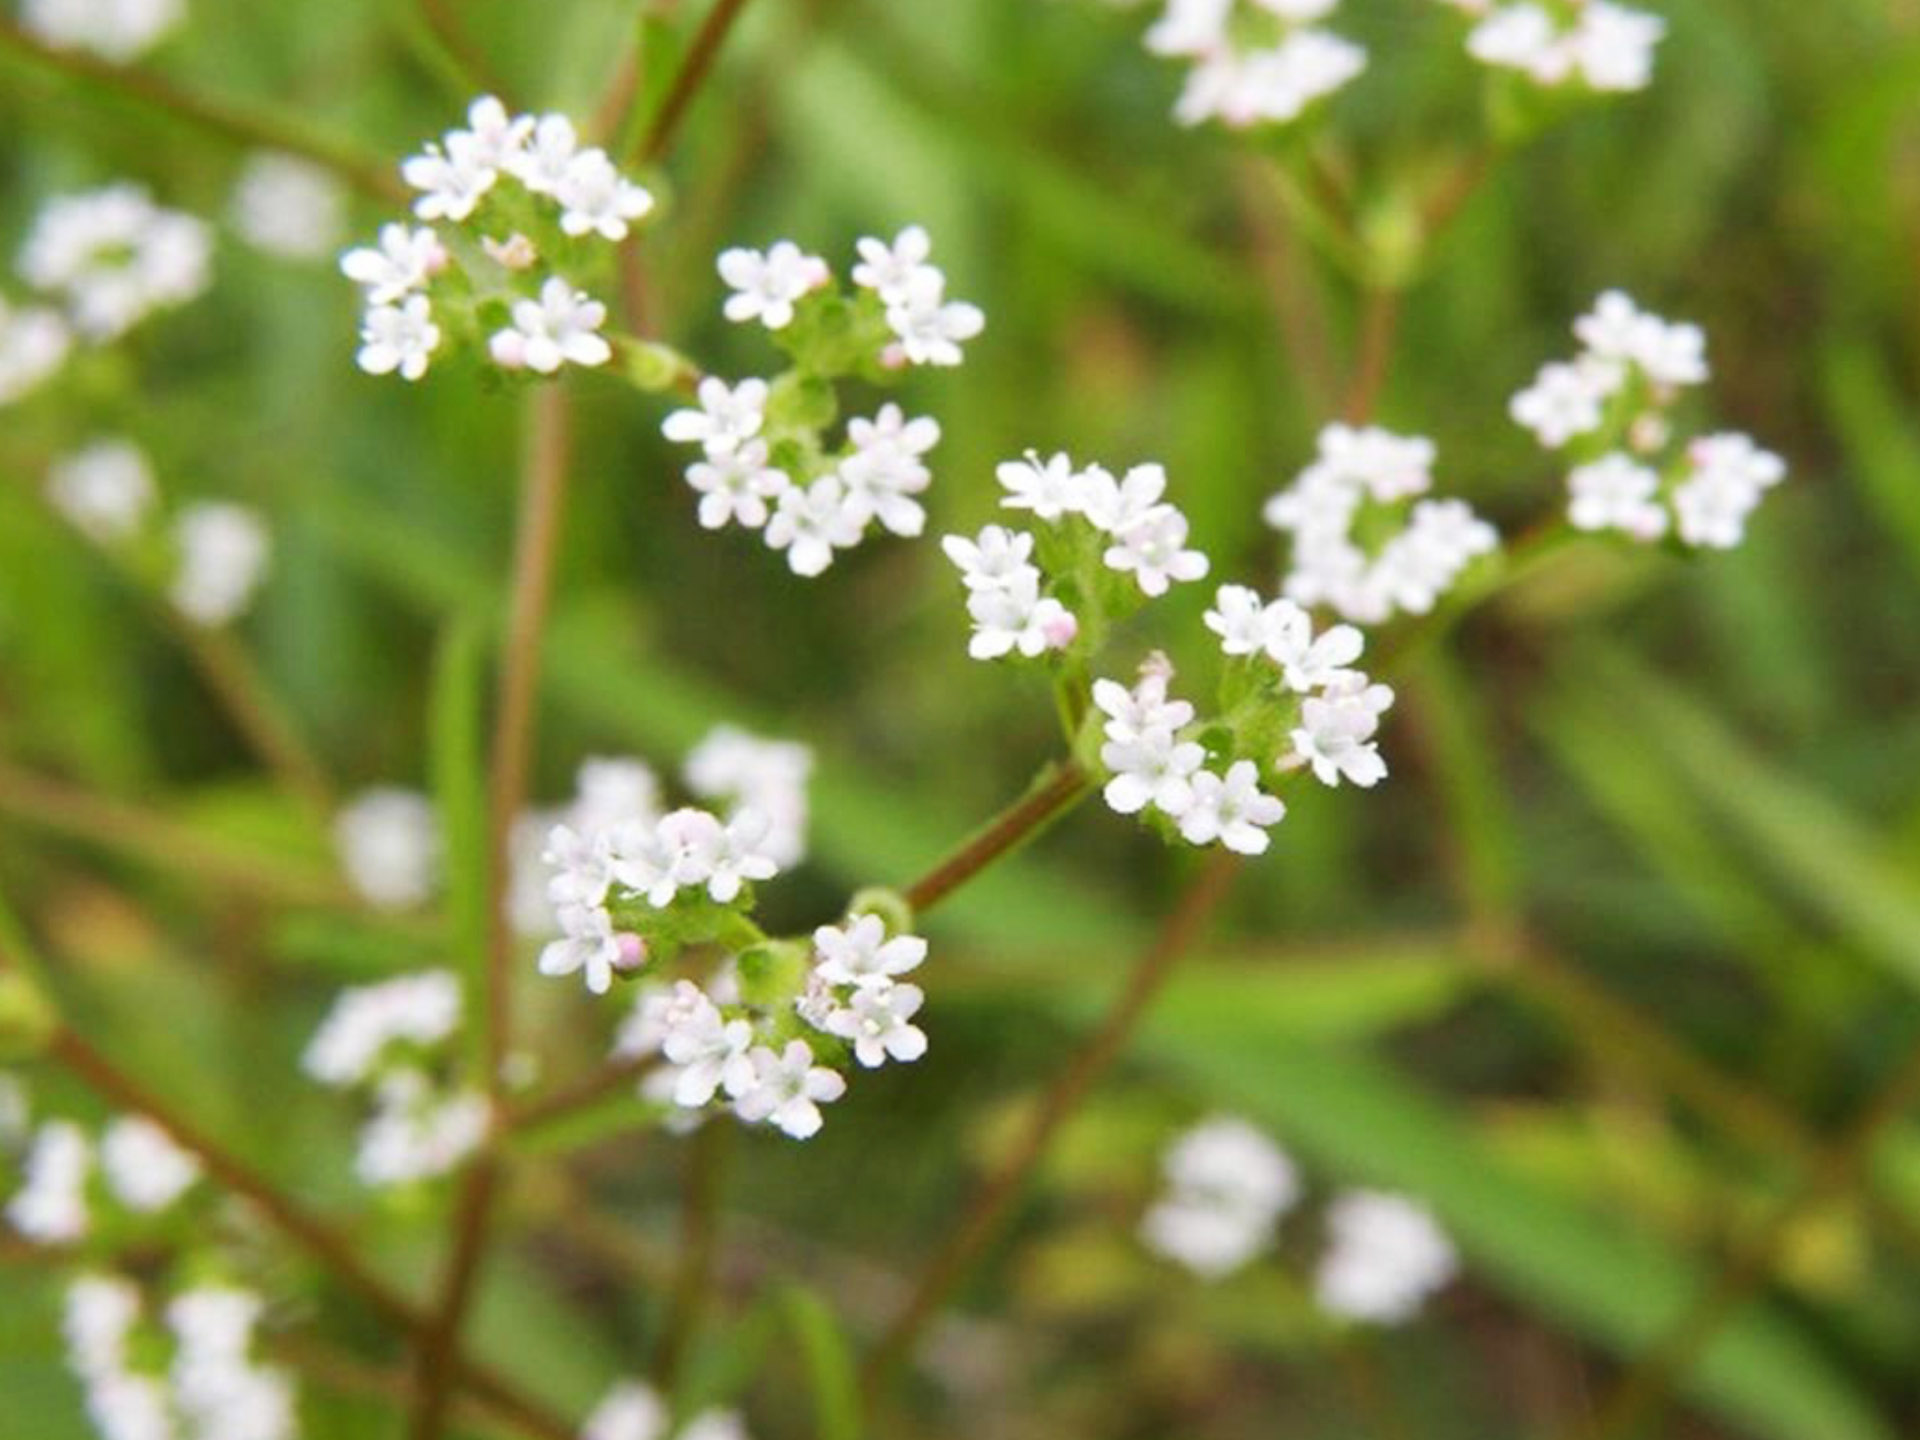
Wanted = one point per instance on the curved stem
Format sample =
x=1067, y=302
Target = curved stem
x=250, y=128
x=692, y=75
x=1056, y=792
x=982, y=1219
x=266, y=723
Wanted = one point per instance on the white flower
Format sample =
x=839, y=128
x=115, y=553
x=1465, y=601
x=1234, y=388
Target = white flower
x=1613, y=46
x=885, y=468
x=1671, y=354
x=1153, y=768
x=730, y=856
x=116, y=257
x=811, y=524
x=597, y=199
x=542, y=161
x=1566, y=400
x=630, y=1411
x=991, y=560
x=1228, y=1185
x=1727, y=478
x=398, y=338
x=1231, y=809
x=893, y=270
x=1152, y=548
x=1336, y=731
x=1132, y=713
x=116, y=30
x=106, y=490
x=769, y=776
x=1014, y=616
x=402, y=262
x=51, y=1206
x=1616, y=493
x=287, y=206
x=714, y=1425
x=789, y=1089
x=419, y=1010
x=1522, y=37
x=219, y=1390
x=452, y=179
x=728, y=417
x=1239, y=618
x=930, y=328
x=584, y=863
x=766, y=285
x=1049, y=488
x=1190, y=27
x=99, y=1313
x=388, y=841
x=861, y=954
x=1117, y=505
x=587, y=944
x=33, y=345
x=1386, y=1256
x=709, y=1049
x=561, y=327
x=875, y=1020
x=1308, y=662
x=417, y=1132
x=145, y=1169
x=614, y=790
x=224, y=551
x=497, y=137
x=735, y=487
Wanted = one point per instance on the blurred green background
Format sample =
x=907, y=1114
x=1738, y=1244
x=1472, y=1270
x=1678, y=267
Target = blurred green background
x=1626, y=941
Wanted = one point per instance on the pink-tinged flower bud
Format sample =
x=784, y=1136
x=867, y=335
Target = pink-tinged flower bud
x=516, y=252
x=1060, y=630
x=632, y=953
x=894, y=357
x=1648, y=433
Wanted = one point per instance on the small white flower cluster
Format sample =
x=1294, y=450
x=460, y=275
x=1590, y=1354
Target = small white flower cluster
x=213, y=1389
x=113, y=257
x=1595, y=43
x=219, y=550
x=1262, y=63
x=507, y=191
x=766, y=465
x=718, y=1044
x=688, y=851
x=386, y=1037
x=116, y=30
x=388, y=841
x=1228, y=1186
x=144, y=1170
x=1091, y=521
x=1385, y=1256
x=288, y=207
x=34, y=344
x=1608, y=407
x=1340, y=707
x=633, y=1410
x=1361, y=481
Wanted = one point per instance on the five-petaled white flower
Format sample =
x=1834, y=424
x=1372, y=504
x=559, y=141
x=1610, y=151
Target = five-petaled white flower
x=789, y=1089
x=876, y=1021
x=811, y=524
x=736, y=486
x=561, y=327
x=1231, y=809
x=1153, y=549
x=861, y=954
x=767, y=285
x=403, y=261
x=398, y=338
x=728, y=417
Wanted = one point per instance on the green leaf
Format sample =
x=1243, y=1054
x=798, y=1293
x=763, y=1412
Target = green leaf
x=828, y=1360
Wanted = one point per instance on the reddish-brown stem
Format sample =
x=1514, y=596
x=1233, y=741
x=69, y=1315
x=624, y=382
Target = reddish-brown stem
x=590, y=1089
x=1379, y=323
x=240, y=126
x=692, y=75
x=1062, y=787
x=988, y=1208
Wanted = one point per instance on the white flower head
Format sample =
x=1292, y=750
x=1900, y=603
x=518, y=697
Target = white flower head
x=418, y=1131
x=289, y=207
x=561, y=327
x=631, y=1410
x=860, y=954
x=596, y=199
x=144, y=1168
x=106, y=490
x=1231, y=809
x=398, y=338
x=420, y=1010
x=929, y=327
x=789, y=1090
x=50, y=1208
x=992, y=559
x=1050, y=488
x=402, y=261
x=709, y=1050
x=34, y=343
x=875, y=1021
x=1014, y=617
x=116, y=257
x=893, y=270
x=116, y=30
x=224, y=550
x=1336, y=731
x=1153, y=549
x=885, y=469
x=1615, y=492
x=734, y=488
x=811, y=523
x=767, y=284
x=452, y=178
x=388, y=841
x=728, y=417
x=1385, y=1257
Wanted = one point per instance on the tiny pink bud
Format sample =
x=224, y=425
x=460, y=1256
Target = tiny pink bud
x=894, y=357
x=1060, y=630
x=633, y=952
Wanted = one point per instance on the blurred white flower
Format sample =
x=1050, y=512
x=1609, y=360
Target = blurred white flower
x=1386, y=1255
x=419, y=1010
x=388, y=840
x=117, y=30
x=223, y=551
x=115, y=257
x=105, y=489
x=145, y=1169
x=288, y=207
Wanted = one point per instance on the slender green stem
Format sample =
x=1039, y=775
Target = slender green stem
x=699, y=1247
x=269, y=727
x=251, y=128
x=1059, y=789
